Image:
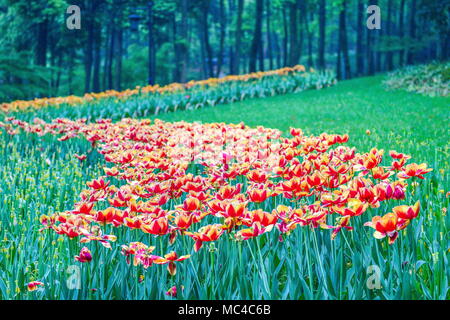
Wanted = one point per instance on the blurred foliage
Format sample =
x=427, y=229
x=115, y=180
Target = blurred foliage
x=18, y=80
x=430, y=79
x=66, y=51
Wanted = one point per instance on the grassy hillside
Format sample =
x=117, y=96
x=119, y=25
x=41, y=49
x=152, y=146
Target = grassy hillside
x=396, y=119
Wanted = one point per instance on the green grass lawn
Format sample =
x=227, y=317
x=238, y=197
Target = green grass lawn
x=38, y=175
x=396, y=119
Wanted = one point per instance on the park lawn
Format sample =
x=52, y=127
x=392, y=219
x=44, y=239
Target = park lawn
x=396, y=119
x=39, y=175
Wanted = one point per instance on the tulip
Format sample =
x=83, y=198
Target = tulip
x=173, y=291
x=207, y=233
x=254, y=231
x=158, y=226
x=414, y=170
x=191, y=204
x=84, y=255
x=407, y=212
x=98, y=184
x=385, y=226
x=170, y=259
x=34, y=285
x=80, y=157
x=258, y=195
x=235, y=210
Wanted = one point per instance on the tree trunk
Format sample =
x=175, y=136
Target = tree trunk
x=269, y=35
x=41, y=48
x=111, y=58
x=119, y=54
x=343, y=43
x=97, y=56
x=237, y=52
x=401, y=29
x=339, y=62
x=58, y=75
x=378, y=55
x=322, y=25
x=204, y=63
x=106, y=59
x=71, y=67
x=359, y=38
x=293, y=46
x=309, y=36
x=412, y=31
x=223, y=26
x=444, y=45
x=369, y=49
x=261, y=45
x=389, y=54
x=205, y=37
x=183, y=47
x=278, y=51
x=109, y=48
x=231, y=66
x=89, y=53
x=301, y=9
x=151, y=46
x=256, y=43
x=177, y=54
x=97, y=63
x=180, y=43
x=52, y=49
x=285, y=37
x=230, y=34
x=377, y=33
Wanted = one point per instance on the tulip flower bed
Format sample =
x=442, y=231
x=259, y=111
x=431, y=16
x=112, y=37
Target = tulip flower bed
x=174, y=191
x=152, y=100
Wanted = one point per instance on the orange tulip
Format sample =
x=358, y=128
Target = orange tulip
x=207, y=233
x=226, y=192
x=385, y=226
x=414, y=170
x=80, y=157
x=258, y=195
x=343, y=224
x=235, y=210
x=257, y=176
x=264, y=218
x=407, y=212
x=191, y=204
x=170, y=259
x=158, y=226
x=184, y=221
x=355, y=208
x=98, y=184
x=373, y=158
x=84, y=208
x=34, y=285
x=106, y=216
x=254, y=231
x=133, y=223
x=379, y=173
